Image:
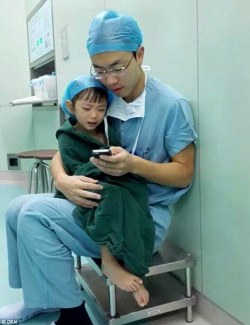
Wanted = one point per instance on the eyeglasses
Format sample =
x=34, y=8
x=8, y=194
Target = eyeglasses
x=117, y=71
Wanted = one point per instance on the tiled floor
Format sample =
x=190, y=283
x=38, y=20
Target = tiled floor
x=8, y=295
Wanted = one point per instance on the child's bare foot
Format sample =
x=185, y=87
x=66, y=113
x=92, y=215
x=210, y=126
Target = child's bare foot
x=121, y=277
x=141, y=296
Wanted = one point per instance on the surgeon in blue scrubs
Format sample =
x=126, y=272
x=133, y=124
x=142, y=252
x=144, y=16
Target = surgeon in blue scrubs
x=156, y=130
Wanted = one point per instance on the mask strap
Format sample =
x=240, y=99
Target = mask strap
x=137, y=138
x=106, y=129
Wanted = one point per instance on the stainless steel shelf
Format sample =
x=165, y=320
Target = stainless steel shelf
x=166, y=292
x=33, y=101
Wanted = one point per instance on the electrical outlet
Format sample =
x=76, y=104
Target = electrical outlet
x=14, y=162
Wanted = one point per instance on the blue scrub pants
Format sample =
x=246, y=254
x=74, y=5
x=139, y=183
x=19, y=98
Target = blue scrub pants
x=41, y=234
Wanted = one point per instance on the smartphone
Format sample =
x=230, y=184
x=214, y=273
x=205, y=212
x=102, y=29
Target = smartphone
x=97, y=152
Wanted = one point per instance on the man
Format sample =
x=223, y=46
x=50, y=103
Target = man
x=156, y=129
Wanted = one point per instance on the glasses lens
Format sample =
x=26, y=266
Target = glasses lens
x=113, y=71
x=96, y=75
x=117, y=71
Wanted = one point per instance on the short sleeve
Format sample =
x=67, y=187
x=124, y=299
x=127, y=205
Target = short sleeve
x=180, y=127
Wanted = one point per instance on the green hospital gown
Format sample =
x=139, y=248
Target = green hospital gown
x=122, y=221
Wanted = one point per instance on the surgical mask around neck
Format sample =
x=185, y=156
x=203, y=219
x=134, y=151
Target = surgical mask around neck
x=125, y=111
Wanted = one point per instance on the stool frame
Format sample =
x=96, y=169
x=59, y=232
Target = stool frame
x=167, y=292
x=39, y=177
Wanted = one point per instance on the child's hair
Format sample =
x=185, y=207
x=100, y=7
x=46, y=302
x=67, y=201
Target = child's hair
x=93, y=94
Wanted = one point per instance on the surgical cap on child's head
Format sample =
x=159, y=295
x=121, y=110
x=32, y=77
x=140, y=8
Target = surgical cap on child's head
x=79, y=84
x=111, y=31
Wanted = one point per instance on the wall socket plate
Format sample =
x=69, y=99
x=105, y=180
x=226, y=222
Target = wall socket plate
x=13, y=161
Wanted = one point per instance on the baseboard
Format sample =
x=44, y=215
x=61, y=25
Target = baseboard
x=212, y=313
x=18, y=178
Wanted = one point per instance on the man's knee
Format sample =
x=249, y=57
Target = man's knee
x=31, y=211
x=14, y=208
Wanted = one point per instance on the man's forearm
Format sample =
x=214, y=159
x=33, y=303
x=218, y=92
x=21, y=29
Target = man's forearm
x=57, y=166
x=168, y=174
x=176, y=173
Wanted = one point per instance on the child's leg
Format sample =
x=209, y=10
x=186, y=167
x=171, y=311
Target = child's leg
x=117, y=274
x=122, y=278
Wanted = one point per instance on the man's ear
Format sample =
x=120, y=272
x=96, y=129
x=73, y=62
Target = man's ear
x=70, y=106
x=140, y=54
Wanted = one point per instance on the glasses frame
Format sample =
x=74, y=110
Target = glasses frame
x=112, y=71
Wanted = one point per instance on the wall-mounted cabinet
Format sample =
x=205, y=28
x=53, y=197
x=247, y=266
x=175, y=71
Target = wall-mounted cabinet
x=40, y=36
x=47, y=68
x=40, y=33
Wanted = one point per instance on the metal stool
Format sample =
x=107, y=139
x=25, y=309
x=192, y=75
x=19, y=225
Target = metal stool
x=168, y=293
x=39, y=179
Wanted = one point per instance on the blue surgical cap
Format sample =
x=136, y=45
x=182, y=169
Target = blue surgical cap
x=79, y=84
x=111, y=31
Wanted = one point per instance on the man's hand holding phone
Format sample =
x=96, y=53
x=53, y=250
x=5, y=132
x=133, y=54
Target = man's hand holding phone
x=116, y=164
x=98, y=152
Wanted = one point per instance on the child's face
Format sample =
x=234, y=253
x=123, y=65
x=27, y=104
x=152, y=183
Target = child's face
x=89, y=114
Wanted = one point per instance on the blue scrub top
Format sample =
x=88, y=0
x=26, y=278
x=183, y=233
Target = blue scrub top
x=167, y=129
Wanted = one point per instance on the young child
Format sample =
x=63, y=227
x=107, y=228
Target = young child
x=121, y=223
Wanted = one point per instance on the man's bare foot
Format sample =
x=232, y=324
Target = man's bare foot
x=121, y=277
x=141, y=296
